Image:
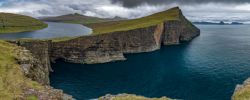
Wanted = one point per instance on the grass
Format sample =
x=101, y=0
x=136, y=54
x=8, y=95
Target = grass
x=107, y=27
x=32, y=97
x=242, y=94
x=12, y=79
x=13, y=23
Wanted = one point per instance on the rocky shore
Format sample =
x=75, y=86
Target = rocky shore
x=130, y=97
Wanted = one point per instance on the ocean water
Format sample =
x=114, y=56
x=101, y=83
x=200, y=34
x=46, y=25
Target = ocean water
x=54, y=30
x=207, y=68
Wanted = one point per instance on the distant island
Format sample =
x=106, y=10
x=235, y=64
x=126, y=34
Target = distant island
x=79, y=19
x=219, y=23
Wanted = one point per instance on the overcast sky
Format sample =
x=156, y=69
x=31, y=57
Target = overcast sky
x=195, y=10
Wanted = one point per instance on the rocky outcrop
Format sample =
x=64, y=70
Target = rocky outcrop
x=35, y=60
x=129, y=97
x=242, y=92
x=20, y=73
x=35, y=65
x=47, y=93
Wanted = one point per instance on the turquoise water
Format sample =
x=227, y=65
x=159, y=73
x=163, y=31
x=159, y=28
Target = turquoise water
x=208, y=68
x=54, y=30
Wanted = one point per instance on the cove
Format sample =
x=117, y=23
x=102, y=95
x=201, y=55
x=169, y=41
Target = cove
x=207, y=68
x=54, y=30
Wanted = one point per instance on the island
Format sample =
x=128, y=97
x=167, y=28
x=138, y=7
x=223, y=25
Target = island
x=77, y=18
x=13, y=23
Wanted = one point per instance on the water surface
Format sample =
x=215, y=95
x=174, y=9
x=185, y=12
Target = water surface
x=54, y=30
x=208, y=68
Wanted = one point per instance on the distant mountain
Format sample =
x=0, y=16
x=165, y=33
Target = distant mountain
x=220, y=23
x=79, y=19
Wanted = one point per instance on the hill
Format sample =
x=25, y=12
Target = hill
x=12, y=23
x=106, y=27
x=79, y=19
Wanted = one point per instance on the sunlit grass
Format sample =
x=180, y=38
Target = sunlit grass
x=107, y=27
x=12, y=79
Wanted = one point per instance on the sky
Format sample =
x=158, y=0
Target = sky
x=194, y=10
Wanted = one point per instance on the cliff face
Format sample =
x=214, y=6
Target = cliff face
x=37, y=66
x=108, y=47
x=111, y=46
x=16, y=65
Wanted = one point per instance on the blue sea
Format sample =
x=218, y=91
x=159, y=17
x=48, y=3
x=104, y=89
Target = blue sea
x=207, y=68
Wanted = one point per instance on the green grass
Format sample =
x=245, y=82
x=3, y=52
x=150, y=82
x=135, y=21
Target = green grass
x=32, y=97
x=12, y=79
x=242, y=94
x=107, y=27
x=12, y=23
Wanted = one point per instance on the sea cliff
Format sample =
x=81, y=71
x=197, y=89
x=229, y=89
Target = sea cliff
x=112, y=46
x=20, y=71
x=106, y=47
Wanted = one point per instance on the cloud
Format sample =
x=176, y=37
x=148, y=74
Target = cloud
x=134, y=3
x=195, y=10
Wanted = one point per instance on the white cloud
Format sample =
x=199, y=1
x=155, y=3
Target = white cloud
x=105, y=8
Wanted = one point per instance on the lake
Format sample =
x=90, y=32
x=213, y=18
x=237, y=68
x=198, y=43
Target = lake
x=54, y=30
x=207, y=68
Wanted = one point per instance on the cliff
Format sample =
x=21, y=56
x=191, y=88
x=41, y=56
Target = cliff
x=113, y=42
x=16, y=65
x=242, y=92
x=108, y=43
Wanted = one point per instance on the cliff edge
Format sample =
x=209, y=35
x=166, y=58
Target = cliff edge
x=111, y=40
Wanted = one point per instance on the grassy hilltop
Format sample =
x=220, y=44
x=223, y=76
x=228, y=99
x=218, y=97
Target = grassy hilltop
x=12, y=23
x=106, y=27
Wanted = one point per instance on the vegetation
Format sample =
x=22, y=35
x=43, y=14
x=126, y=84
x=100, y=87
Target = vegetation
x=12, y=79
x=243, y=93
x=12, y=23
x=78, y=19
x=107, y=27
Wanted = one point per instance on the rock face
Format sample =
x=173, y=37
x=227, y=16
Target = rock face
x=20, y=63
x=111, y=46
x=35, y=60
x=242, y=92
